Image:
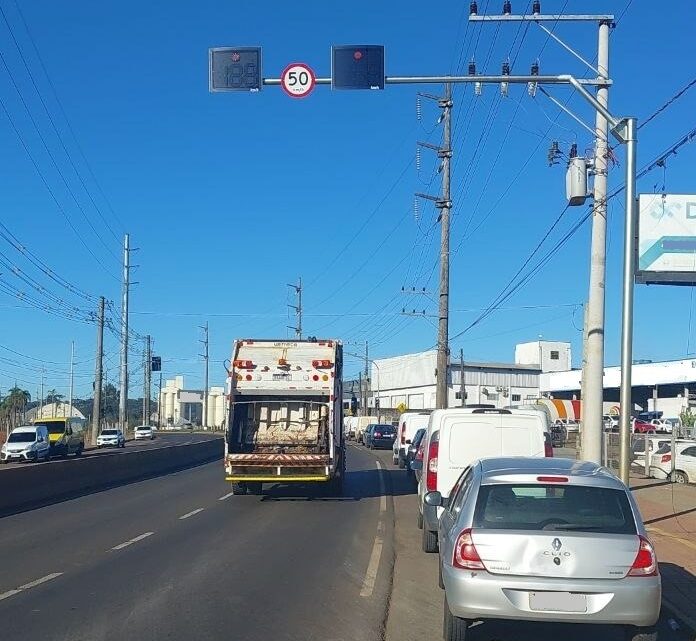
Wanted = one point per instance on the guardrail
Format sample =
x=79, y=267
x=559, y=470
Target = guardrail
x=37, y=485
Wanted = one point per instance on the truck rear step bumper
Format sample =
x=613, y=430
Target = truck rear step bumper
x=277, y=479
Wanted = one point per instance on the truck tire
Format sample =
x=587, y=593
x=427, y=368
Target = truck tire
x=239, y=488
x=255, y=488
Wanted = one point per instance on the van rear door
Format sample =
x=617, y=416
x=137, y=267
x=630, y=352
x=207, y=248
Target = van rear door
x=521, y=435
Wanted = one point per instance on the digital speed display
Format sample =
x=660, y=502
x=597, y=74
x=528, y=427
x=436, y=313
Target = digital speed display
x=235, y=69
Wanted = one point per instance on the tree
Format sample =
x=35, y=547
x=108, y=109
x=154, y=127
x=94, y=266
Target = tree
x=13, y=406
x=687, y=418
x=54, y=398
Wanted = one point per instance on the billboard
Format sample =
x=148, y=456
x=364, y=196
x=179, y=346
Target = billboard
x=666, y=247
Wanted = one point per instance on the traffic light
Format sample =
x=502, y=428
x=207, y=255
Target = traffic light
x=235, y=69
x=357, y=67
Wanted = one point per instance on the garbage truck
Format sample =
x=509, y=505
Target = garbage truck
x=285, y=414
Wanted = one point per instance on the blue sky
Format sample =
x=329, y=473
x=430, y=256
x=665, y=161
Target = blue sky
x=228, y=197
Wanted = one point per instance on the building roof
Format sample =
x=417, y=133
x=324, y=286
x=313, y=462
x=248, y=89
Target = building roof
x=493, y=365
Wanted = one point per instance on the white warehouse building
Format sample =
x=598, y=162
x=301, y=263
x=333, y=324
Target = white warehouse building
x=179, y=405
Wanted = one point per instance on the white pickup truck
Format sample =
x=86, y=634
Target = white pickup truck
x=285, y=420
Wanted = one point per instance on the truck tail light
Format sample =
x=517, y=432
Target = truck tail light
x=243, y=364
x=431, y=472
x=466, y=556
x=645, y=563
x=322, y=364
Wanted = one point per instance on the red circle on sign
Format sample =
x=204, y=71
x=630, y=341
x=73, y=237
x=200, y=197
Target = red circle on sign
x=299, y=89
x=357, y=55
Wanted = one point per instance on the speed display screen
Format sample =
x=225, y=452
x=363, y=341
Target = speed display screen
x=235, y=69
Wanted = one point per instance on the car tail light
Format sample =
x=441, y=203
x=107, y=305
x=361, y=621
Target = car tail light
x=377, y=434
x=419, y=453
x=645, y=563
x=403, y=434
x=465, y=555
x=431, y=475
x=666, y=458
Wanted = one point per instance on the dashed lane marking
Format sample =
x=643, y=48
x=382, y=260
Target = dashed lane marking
x=31, y=584
x=226, y=496
x=125, y=544
x=191, y=513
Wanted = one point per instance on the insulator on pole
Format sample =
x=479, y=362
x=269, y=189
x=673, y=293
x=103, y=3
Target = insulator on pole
x=418, y=159
x=507, y=8
x=419, y=110
x=472, y=68
x=473, y=8
x=536, y=7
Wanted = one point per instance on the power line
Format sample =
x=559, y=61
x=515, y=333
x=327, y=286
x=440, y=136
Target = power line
x=667, y=104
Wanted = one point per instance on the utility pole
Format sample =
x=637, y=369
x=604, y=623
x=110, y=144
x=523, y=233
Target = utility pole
x=362, y=395
x=98, y=371
x=40, y=415
x=204, y=422
x=593, y=367
x=462, y=387
x=123, y=400
x=72, y=376
x=297, y=308
x=159, y=402
x=367, y=372
x=147, y=391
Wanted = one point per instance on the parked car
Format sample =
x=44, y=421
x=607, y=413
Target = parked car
x=546, y=540
x=409, y=423
x=456, y=437
x=661, y=425
x=412, y=449
x=111, y=438
x=144, y=432
x=684, y=462
x=559, y=435
x=26, y=443
x=379, y=436
x=570, y=424
x=610, y=421
x=638, y=447
x=642, y=427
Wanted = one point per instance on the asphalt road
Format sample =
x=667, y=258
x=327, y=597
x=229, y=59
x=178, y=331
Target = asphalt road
x=162, y=439
x=178, y=558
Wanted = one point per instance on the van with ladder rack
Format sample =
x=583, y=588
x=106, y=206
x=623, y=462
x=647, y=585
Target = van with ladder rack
x=285, y=418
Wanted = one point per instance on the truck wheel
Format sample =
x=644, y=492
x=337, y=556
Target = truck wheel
x=429, y=541
x=255, y=488
x=239, y=488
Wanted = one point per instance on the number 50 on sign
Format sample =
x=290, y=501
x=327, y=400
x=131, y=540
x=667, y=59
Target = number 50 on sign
x=297, y=80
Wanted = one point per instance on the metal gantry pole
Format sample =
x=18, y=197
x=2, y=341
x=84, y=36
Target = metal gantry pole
x=98, y=373
x=593, y=366
x=443, y=312
x=123, y=399
x=204, y=420
x=630, y=136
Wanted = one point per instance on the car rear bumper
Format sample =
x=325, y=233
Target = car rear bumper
x=482, y=595
x=383, y=443
x=658, y=473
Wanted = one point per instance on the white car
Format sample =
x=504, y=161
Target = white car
x=684, y=462
x=143, y=433
x=26, y=443
x=655, y=443
x=661, y=425
x=111, y=438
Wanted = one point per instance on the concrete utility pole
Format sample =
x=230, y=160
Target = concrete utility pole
x=41, y=406
x=297, y=308
x=123, y=400
x=98, y=372
x=72, y=376
x=204, y=421
x=593, y=366
x=147, y=391
x=361, y=409
x=159, y=402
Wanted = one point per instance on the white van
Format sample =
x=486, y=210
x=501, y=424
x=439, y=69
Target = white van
x=409, y=424
x=456, y=437
x=26, y=443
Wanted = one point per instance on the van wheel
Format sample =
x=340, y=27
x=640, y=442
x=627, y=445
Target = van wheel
x=239, y=488
x=78, y=451
x=453, y=628
x=641, y=634
x=420, y=521
x=429, y=541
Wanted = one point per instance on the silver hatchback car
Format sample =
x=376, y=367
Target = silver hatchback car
x=545, y=540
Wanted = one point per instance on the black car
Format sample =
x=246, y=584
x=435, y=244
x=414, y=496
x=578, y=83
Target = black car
x=559, y=435
x=380, y=436
x=413, y=448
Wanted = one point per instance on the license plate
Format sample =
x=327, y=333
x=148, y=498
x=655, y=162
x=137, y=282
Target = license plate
x=282, y=377
x=557, y=602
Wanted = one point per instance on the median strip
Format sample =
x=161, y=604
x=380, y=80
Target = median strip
x=125, y=544
x=31, y=584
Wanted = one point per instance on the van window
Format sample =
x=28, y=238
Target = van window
x=54, y=427
x=22, y=437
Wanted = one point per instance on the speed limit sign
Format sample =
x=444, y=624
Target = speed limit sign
x=297, y=80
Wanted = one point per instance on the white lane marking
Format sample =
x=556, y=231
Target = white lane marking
x=31, y=584
x=125, y=544
x=185, y=516
x=368, y=585
x=226, y=496
x=382, y=492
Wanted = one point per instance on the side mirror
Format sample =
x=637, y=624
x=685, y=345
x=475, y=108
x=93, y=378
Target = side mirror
x=433, y=499
x=416, y=466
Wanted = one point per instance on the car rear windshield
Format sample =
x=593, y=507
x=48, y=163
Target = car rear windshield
x=385, y=429
x=22, y=437
x=143, y=428
x=54, y=427
x=109, y=432
x=553, y=507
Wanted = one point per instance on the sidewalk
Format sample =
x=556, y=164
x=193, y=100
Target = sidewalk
x=669, y=512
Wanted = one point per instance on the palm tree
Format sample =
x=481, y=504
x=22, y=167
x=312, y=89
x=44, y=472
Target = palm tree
x=14, y=405
x=54, y=398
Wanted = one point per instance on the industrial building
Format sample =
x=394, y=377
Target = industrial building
x=180, y=406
